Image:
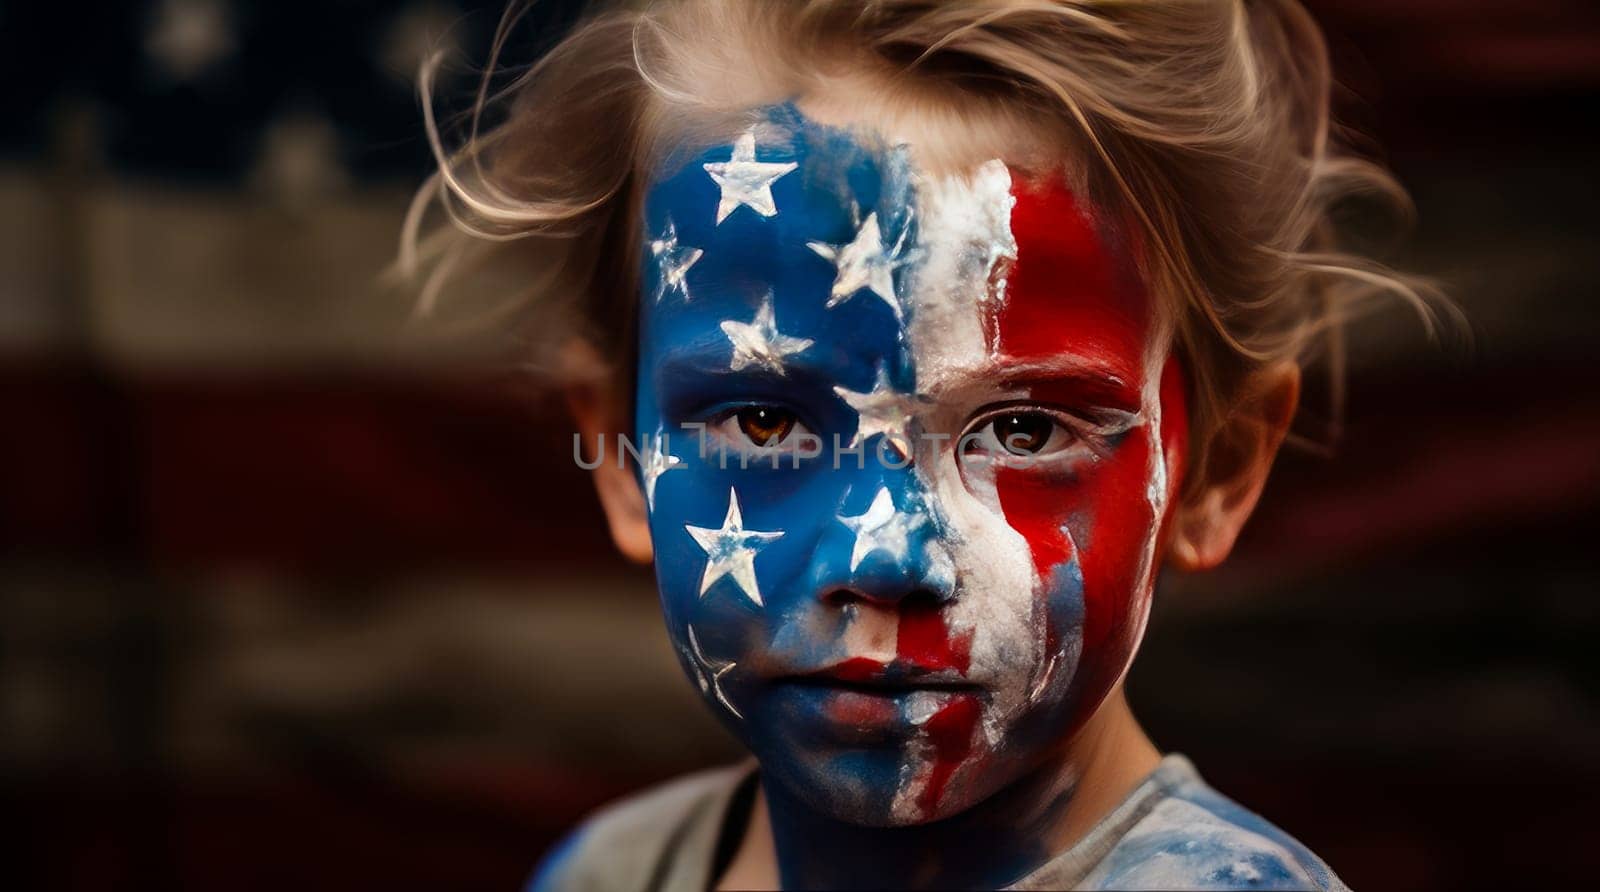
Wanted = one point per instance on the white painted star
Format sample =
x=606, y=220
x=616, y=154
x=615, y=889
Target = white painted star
x=656, y=461
x=760, y=343
x=673, y=261
x=746, y=181
x=708, y=674
x=731, y=551
x=882, y=410
x=863, y=263
x=881, y=527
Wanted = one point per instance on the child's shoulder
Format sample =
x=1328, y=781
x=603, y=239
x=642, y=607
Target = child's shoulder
x=661, y=838
x=1185, y=835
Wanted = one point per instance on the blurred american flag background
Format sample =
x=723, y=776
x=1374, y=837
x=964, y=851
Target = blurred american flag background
x=283, y=608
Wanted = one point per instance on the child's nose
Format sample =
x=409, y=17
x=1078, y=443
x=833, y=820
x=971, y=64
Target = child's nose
x=882, y=548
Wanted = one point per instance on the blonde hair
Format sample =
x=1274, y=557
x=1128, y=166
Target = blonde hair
x=1205, y=125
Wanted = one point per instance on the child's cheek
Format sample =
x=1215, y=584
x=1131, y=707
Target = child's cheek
x=737, y=629
x=1108, y=518
x=1103, y=519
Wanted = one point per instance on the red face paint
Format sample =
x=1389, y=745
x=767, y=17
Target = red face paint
x=924, y=640
x=1074, y=296
x=950, y=732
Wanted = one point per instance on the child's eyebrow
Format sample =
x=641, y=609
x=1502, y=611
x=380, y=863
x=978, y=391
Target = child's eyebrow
x=1096, y=377
x=1065, y=365
x=709, y=356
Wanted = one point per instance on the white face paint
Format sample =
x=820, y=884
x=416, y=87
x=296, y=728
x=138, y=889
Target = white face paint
x=965, y=244
x=673, y=263
x=746, y=182
x=759, y=343
x=731, y=551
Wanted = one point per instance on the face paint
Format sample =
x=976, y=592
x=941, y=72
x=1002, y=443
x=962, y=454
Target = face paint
x=906, y=620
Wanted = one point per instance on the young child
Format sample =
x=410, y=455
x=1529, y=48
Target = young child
x=939, y=328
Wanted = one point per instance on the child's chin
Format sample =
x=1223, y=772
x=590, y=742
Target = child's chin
x=880, y=787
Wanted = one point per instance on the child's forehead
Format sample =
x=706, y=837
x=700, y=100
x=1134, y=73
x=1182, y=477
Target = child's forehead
x=821, y=177
x=792, y=206
x=836, y=164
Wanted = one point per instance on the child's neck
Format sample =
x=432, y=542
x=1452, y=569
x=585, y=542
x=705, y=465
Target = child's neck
x=994, y=843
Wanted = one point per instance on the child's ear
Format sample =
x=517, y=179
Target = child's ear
x=1241, y=454
x=597, y=408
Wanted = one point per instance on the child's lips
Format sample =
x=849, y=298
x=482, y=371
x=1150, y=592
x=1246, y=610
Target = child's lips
x=862, y=701
x=869, y=676
x=852, y=706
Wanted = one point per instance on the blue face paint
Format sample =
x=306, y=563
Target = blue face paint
x=862, y=615
x=754, y=327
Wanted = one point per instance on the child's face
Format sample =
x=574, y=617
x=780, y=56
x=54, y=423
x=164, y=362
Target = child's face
x=899, y=634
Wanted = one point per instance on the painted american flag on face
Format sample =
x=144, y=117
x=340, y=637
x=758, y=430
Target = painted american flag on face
x=909, y=437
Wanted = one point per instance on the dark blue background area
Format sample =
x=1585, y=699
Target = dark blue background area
x=286, y=55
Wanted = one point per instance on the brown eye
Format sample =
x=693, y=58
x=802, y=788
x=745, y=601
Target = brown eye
x=765, y=425
x=1023, y=433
